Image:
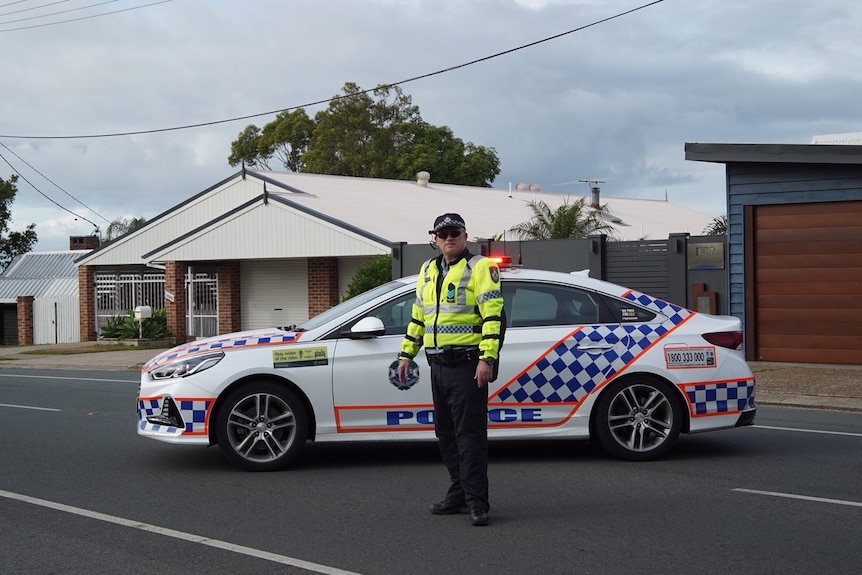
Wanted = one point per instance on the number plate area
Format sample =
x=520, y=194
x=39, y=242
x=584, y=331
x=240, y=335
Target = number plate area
x=680, y=357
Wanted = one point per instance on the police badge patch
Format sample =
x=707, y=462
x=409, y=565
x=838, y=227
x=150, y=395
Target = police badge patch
x=495, y=273
x=412, y=376
x=450, y=293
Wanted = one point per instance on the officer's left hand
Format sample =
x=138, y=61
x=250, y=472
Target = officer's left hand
x=403, y=370
x=484, y=373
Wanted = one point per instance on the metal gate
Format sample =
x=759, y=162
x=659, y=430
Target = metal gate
x=55, y=319
x=639, y=265
x=202, y=315
x=119, y=293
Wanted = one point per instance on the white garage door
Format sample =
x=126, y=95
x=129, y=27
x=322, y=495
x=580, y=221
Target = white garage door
x=274, y=293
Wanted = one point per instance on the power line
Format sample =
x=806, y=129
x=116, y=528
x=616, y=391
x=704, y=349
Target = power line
x=30, y=9
x=12, y=3
x=20, y=175
x=337, y=97
x=77, y=19
x=56, y=185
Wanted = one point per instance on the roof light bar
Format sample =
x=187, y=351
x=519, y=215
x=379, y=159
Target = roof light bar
x=503, y=262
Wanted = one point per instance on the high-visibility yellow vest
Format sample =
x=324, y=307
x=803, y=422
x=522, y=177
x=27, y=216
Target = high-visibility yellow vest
x=463, y=308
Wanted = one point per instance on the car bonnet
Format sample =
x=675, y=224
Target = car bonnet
x=228, y=342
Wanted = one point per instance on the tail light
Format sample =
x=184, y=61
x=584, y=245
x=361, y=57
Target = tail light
x=728, y=339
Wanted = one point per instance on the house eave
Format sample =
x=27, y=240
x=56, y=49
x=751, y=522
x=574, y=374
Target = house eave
x=774, y=153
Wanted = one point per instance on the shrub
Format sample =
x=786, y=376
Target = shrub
x=376, y=272
x=125, y=327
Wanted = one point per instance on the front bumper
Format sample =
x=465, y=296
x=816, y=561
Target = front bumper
x=175, y=420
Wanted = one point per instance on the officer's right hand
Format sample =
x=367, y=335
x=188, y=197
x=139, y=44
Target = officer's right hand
x=403, y=370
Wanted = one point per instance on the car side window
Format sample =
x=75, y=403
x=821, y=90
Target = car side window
x=395, y=314
x=532, y=307
x=627, y=312
x=535, y=304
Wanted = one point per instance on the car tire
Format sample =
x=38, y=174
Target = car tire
x=262, y=426
x=638, y=418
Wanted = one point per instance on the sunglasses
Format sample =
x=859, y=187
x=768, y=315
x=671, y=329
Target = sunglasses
x=449, y=234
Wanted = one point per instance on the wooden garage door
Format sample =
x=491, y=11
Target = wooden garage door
x=808, y=282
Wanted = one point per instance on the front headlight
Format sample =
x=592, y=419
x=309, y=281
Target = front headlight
x=186, y=366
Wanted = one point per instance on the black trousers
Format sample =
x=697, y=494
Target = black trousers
x=461, y=426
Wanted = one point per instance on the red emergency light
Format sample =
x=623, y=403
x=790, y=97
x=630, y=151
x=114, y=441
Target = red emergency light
x=503, y=262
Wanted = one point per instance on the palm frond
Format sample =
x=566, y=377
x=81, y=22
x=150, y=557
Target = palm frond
x=568, y=221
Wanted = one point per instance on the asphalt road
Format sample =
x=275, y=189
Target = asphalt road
x=80, y=492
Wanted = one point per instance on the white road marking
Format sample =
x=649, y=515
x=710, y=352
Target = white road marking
x=809, y=430
x=803, y=497
x=251, y=552
x=19, y=376
x=28, y=407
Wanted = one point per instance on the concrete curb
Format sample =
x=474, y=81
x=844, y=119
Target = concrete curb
x=830, y=403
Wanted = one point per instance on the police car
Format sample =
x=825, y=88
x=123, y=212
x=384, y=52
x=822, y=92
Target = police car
x=582, y=358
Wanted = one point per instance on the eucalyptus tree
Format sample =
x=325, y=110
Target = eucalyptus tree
x=12, y=243
x=375, y=133
x=285, y=139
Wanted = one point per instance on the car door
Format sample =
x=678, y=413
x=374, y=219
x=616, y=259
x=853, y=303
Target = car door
x=368, y=397
x=560, y=344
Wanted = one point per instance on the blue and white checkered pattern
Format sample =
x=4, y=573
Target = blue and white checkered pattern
x=276, y=337
x=493, y=294
x=451, y=329
x=675, y=313
x=148, y=408
x=161, y=429
x=718, y=398
x=567, y=375
x=193, y=411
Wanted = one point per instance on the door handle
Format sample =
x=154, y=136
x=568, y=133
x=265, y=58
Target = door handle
x=594, y=348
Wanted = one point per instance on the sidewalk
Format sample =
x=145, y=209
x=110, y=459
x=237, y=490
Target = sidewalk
x=809, y=386
x=131, y=359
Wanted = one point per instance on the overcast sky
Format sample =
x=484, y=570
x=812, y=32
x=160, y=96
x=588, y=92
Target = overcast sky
x=616, y=101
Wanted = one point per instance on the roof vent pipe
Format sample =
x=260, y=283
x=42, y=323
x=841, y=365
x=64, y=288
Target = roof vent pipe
x=594, y=199
x=422, y=179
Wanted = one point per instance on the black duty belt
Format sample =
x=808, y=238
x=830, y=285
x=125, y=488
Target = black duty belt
x=453, y=356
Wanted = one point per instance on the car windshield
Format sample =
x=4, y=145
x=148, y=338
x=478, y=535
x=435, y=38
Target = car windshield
x=345, y=307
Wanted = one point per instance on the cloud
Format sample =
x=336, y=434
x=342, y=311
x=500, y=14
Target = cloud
x=615, y=101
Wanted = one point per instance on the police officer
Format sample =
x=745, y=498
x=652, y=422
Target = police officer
x=457, y=317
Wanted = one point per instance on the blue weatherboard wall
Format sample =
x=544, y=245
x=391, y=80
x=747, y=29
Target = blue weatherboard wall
x=760, y=184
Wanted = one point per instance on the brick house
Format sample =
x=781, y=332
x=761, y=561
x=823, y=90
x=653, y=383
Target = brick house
x=262, y=249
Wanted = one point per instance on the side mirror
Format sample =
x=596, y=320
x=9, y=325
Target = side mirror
x=366, y=328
